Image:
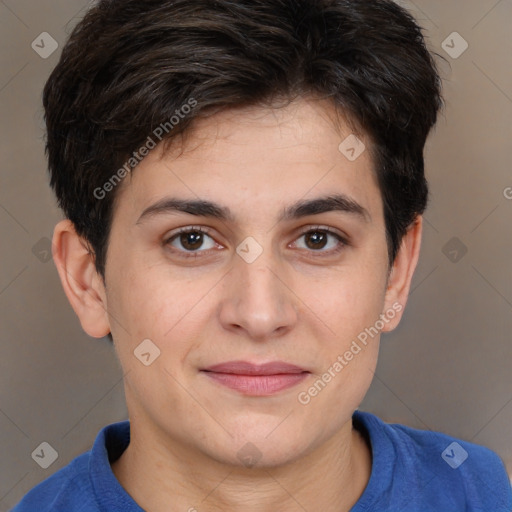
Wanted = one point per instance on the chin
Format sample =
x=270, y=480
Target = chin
x=263, y=448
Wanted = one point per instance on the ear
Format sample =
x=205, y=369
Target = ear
x=399, y=281
x=82, y=284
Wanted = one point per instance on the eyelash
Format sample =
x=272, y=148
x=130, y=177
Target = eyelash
x=197, y=229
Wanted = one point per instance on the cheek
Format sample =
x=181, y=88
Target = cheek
x=350, y=307
x=167, y=307
x=351, y=300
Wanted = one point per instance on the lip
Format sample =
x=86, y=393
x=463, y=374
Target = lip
x=246, y=368
x=256, y=379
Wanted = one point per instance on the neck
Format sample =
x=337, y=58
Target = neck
x=162, y=476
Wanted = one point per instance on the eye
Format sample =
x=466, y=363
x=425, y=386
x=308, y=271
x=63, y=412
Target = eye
x=317, y=238
x=190, y=239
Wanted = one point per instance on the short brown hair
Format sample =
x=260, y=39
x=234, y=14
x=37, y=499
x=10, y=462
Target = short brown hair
x=130, y=64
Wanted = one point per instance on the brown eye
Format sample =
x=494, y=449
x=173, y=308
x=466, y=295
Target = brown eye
x=317, y=239
x=190, y=240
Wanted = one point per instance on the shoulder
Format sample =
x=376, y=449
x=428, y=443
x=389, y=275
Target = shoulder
x=442, y=469
x=86, y=482
x=61, y=491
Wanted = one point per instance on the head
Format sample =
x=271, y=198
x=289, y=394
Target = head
x=250, y=109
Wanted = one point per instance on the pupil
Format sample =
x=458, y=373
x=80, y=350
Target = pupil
x=195, y=239
x=316, y=235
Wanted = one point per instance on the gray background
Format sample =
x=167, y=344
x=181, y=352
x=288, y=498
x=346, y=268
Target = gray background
x=446, y=367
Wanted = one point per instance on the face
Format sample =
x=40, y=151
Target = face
x=265, y=281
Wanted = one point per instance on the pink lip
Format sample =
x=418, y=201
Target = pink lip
x=257, y=380
x=245, y=368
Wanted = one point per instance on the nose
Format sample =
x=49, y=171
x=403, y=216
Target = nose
x=258, y=299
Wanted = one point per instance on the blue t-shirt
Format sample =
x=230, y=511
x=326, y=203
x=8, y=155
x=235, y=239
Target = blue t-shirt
x=412, y=471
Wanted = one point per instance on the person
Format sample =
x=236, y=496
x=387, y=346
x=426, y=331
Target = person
x=243, y=187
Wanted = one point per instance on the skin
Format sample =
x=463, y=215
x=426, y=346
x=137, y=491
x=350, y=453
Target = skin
x=290, y=304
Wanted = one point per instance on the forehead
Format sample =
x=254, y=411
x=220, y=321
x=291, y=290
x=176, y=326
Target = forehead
x=257, y=158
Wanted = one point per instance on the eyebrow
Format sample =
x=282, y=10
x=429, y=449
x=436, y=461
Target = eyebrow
x=302, y=208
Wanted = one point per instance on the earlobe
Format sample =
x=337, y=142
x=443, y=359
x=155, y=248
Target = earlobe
x=399, y=281
x=80, y=280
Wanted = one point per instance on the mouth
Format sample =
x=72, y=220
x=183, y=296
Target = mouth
x=256, y=380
